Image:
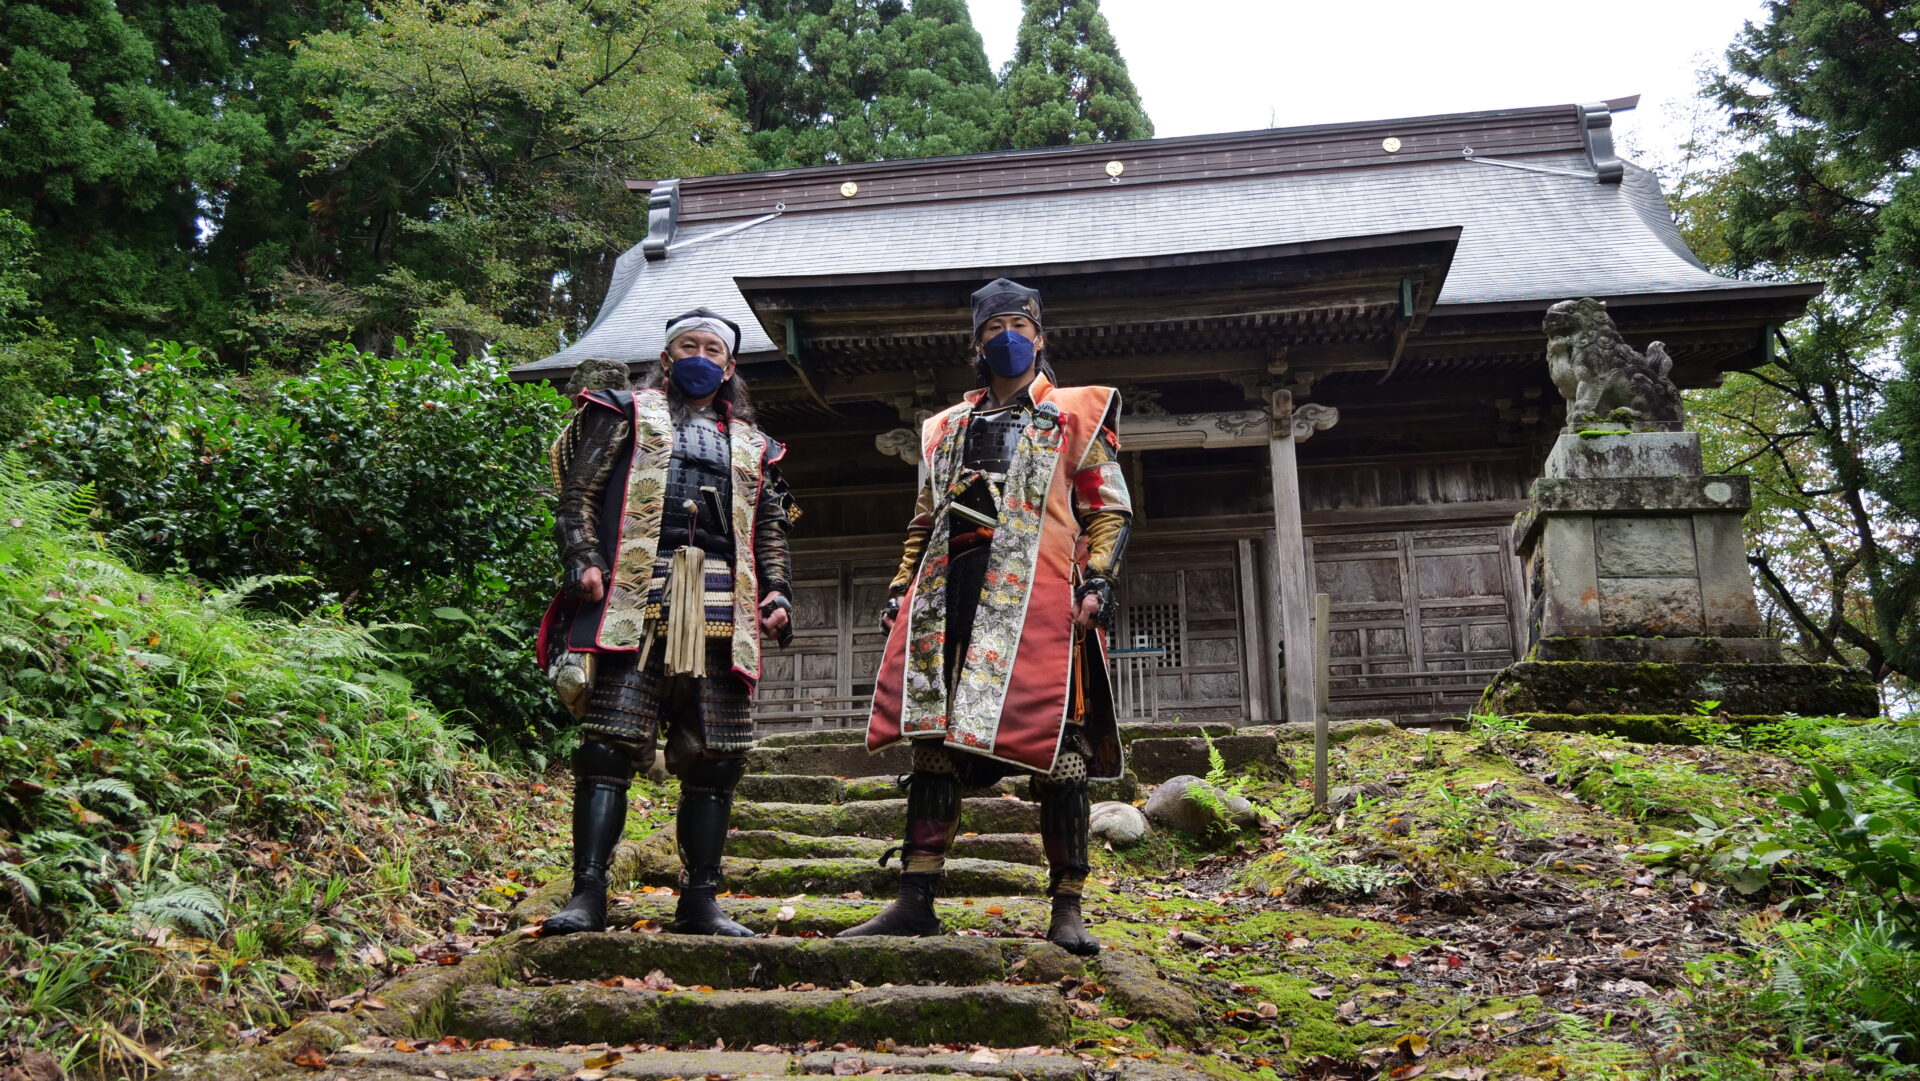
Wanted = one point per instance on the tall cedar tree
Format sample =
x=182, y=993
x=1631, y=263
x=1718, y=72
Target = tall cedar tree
x=1067, y=83
x=825, y=81
x=135, y=132
x=1824, y=96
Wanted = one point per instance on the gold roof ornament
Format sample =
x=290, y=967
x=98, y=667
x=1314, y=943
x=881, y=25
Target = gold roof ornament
x=849, y=189
x=1391, y=144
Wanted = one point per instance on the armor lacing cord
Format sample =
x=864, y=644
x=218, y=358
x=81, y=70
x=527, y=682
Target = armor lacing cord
x=687, y=613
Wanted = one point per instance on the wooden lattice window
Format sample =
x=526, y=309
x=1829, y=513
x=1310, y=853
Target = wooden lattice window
x=1154, y=626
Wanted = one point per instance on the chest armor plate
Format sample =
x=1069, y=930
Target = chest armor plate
x=993, y=437
x=701, y=459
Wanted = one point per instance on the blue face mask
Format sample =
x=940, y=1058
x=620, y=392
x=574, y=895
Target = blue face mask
x=696, y=376
x=1009, y=354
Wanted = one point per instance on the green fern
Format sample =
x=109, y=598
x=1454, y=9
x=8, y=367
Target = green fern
x=186, y=907
x=18, y=876
x=102, y=786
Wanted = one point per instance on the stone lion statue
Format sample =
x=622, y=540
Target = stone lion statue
x=1601, y=376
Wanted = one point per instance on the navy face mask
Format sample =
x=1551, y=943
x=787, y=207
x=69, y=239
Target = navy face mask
x=1009, y=354
x=696, y=376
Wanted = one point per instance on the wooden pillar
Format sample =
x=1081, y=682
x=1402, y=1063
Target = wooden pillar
x=1292, y=569
x=1253, y=650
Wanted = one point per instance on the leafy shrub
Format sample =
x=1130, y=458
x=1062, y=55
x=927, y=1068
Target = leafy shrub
x=179, y=775
x=393, y=486
x=1874, y=835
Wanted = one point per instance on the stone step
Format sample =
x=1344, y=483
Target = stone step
x=784, y=878
x=814, y=737
x=1031, y=1067
x=771, y=963
x=789, y=788
x=1134, y=730
x=1156, y=758
x=778, y=844
x=831, y=915
x=881, y=817
x=995, y=1014
x=550, y=1065
x=829, y=759
x=802, y=788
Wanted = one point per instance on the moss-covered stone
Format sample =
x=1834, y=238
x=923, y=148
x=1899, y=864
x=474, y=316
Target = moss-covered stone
x=1588, y=687
x=996, y=1014
x=882, y=818
x=817, y=737
x=831, y=915
x=775, y=844
x=768, y=962
x=788, y=788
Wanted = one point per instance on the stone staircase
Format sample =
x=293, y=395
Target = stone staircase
x=992, y=999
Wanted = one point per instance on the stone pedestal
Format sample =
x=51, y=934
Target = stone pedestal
x=1640, y=600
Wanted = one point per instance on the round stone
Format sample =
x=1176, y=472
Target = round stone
x=1118, y=824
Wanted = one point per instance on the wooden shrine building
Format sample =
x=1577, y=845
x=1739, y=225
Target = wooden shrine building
x=1328, y=342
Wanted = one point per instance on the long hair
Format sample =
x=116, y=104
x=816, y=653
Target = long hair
x=733, y=392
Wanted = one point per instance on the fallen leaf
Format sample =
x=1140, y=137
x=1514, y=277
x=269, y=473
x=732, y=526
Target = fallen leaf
x=496, y=1044
x=1463, y=1073
x=526, y=1071
x=1120, y=1022
x=849, y=1066
x=310, y=1057
x=1412, y=1069
x=602, y=1061
x=1321, y=993
x=1267, y=1010
x=1412, y=1045
x=984, y=1056
x=785, y=914
x=995, y=910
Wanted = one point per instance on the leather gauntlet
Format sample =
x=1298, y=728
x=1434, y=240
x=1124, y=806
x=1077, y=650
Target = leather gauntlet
x=1103, y=589
x=910, y=553
x=1107, y=532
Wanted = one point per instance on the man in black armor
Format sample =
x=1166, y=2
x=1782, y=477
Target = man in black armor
x=672, y=527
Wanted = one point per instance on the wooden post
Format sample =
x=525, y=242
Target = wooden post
x=1290, y=562
x=1322, y=670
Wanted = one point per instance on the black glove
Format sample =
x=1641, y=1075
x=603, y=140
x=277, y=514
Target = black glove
x=1103, y=589
x=892, y=611
x=778, y=602
x=573, y=587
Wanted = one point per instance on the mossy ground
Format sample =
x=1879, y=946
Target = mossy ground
x=1490, y=895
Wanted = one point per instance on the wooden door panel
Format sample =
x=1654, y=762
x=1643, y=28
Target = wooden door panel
x=1410, y=609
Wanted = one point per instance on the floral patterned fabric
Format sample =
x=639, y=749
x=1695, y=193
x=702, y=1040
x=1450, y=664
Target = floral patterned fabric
x=1008, y=699
x=626, y=625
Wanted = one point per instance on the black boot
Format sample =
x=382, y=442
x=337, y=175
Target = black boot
x=933, y=817
x=1066, y=930
x=701, y=827
x=1063, y=834
x=599, y=814
x=911, y=916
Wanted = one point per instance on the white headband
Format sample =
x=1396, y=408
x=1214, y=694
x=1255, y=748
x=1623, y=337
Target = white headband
x=721, y=330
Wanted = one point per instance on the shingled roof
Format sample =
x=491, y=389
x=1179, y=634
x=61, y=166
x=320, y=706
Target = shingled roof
x=1540, y=222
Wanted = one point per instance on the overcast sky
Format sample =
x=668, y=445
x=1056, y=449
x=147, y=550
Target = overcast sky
x=1232, y=65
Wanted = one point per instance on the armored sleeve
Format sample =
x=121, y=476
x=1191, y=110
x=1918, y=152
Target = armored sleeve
x=918, y=530
x=1103, y=506
x=773, y=517
x=585, y=456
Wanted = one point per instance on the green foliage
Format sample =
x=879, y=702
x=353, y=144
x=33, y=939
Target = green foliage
x=826, y=81
x=1821, y=186
x=1743, y=853
x=174, y=764
x=1874, y=834
x=1497, y=734
x=1311, y=860
x=1830, y=991
x=1067, y=83
x=396, y=487
x=485, y=146
x=33, y=361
